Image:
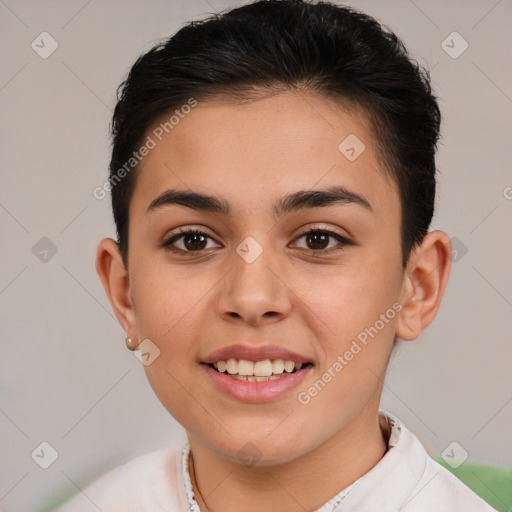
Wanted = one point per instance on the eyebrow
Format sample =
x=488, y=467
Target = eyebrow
x=296, y=201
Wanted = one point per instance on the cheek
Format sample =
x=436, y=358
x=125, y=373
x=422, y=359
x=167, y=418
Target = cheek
x=167, y=312
x=166, y=299
x=352, y=299
x=354, y=323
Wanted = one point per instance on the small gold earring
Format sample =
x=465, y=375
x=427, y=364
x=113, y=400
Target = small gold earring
x=128, y=344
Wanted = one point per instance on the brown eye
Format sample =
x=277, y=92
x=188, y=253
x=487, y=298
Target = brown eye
x=192, y=240
x=318, y=240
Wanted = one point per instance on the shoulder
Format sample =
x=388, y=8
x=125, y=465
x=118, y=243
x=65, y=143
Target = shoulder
x=148, y=482
x=440, y=488
x=408, y=479
x=433, y=486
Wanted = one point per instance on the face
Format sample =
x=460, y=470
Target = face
x=254, y=277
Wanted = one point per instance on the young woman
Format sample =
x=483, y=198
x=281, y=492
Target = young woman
x=273, y=183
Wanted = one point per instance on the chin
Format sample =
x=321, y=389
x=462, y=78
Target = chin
x=260, y=449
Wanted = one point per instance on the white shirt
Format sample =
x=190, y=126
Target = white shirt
x=406, y=479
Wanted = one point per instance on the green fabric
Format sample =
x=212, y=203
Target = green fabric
x=492, y=484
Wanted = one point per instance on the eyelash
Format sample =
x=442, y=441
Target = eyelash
x=168, y=244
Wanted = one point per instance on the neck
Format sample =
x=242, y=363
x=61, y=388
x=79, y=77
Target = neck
x=304, y=483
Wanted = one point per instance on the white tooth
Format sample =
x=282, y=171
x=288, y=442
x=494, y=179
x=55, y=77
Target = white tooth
x=239, y=377
x=221, y=366
x=289, y=366
x=298, y=366
x=251, y=378
x=232, y=366
x=263, y=368
x=215, y=365
x=245, y=367
x=278, y=366
x=261, y=379
x=274, y=377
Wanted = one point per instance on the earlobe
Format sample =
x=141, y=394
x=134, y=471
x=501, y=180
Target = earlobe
x=113, y=275
x=425, y=281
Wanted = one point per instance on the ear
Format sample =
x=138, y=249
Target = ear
x=425, y=280
x=113, y=275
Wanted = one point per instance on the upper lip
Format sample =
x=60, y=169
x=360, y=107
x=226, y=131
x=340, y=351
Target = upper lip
x=251, y=353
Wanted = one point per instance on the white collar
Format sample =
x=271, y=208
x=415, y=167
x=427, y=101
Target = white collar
x=388, y=422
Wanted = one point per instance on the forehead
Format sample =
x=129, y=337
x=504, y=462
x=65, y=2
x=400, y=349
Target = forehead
x=254, y=152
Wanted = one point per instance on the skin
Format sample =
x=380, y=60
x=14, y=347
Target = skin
x=312, y=303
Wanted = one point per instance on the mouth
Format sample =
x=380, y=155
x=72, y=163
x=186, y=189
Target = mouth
x=258, y=371
x=264, y=380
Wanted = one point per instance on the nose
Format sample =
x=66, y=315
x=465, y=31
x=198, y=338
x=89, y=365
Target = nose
x=254, y=293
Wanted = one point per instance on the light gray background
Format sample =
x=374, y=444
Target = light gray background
x=66, y=376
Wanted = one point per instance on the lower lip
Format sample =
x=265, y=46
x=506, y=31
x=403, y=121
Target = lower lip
x=265, y=391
